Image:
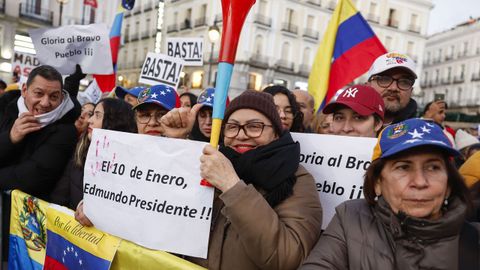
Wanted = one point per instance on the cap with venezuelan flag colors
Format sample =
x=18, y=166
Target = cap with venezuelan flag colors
x=161, y=94
x=392, y=60
x=408, y=134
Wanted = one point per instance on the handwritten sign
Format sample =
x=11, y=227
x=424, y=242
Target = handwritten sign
x=338, y=164
x=64, y=47
x=146, y=189
x=161, y=69
x=23, y=63
x=91, y=94
x=188, y=49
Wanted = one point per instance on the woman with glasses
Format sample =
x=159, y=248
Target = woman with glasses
x=69, y=189
x=358, y=111
x=287, y=107
x=266, y=212
x=153, y=104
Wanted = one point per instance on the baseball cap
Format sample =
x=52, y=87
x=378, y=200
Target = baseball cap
x=392, y=60
x=120, y=92
x=361, y=98
x=161, y=94
x=207, y=97
x=408, y=134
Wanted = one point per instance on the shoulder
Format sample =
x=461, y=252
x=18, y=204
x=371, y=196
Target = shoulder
x=354, y=211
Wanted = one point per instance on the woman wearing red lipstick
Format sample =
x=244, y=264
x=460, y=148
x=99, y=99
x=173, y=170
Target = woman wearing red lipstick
x=413, y=214
x=266, y=212
x=69, y=189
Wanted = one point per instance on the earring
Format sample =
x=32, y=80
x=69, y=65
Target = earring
x=445, y=202
x=376, y=198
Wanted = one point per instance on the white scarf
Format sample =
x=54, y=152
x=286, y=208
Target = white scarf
x=52, y=116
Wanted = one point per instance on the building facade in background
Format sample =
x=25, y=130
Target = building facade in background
x=451, y=68
x=17, y=17
x=280, y=38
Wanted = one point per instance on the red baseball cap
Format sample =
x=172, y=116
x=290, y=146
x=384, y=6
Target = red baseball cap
x=361, y=98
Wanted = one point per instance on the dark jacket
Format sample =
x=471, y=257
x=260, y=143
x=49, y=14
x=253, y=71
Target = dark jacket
x=69, y=189
x=364, y=237
x=37, y=162
x=248, y=234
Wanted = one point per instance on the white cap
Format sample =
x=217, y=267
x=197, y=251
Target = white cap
x=392, y=60
x=464, y=139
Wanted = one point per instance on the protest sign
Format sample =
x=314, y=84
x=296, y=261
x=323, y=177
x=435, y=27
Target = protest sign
x=23, y=63
x=64, y=47
x=91, y=94
x=146, y=189
x=161, y=69
x=338, y=164
x=188, y=49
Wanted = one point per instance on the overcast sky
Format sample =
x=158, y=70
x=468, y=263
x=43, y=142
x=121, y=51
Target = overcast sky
x=448, y=13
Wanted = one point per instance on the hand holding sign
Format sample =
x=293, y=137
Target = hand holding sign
x=178, y=122
x=217, y=169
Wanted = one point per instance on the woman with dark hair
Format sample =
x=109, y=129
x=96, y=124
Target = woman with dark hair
x=287, y=107
x=413, y=214
x=266, y=211
x=188, y=100
x=109, y=113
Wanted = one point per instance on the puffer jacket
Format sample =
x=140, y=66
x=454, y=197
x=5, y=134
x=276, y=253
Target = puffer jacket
x=364, y=237
x=248, y=234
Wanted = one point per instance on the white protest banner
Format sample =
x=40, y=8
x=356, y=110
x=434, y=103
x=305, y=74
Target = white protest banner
x=146, y=189
x=188, y=49
x=23, y=63
x=64, y=47
x=338, y=164
x=91, y=94
x=161, y=69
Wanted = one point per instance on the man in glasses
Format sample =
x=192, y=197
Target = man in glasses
x=393, y=76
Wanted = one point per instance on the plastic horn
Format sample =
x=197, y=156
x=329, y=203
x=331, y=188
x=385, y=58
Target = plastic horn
x=234, y=14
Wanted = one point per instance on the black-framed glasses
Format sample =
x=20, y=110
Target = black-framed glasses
x=385, y=81
x=144, y=117
x=252, y=130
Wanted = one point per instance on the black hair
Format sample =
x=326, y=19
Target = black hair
x=192, y=97
x=47, y=72
x=297, y=125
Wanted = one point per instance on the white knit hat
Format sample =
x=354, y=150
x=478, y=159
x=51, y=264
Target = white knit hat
x=464, y=139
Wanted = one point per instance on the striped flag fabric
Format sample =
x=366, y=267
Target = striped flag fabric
x=106, y=83
x=347, y=50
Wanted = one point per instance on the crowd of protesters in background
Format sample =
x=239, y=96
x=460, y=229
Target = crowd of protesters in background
x=419, y=193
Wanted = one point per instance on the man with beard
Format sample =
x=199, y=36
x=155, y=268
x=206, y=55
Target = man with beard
x=393, y=76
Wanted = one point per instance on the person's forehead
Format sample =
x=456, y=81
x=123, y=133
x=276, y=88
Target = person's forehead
x=40, y=83
x=150, y=108
x=398, y=73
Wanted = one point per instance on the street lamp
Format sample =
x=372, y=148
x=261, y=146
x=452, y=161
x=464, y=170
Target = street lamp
x=61, y=2
x=213, y=35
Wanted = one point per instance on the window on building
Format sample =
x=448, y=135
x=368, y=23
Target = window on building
x=290, y=16
x=175, y=17
x=92, y=15
x=425, y=77
x=254, y=81
x=306, y=57
x=428, y=57
x=285, y=51
x=203, y=12
x=449, y=73
x=462, y=71
x=258, y=49
x=134, y=56
x=411, y=49
x=188, y=18
x=388, y=42
x=437, y=75
x=372, y=11
x=392, y=18
x=262, y=7
x=310, y=21
x=465, y=48
x=127, y=32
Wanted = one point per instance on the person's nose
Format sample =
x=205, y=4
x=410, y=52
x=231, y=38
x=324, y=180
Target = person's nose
x=419, y=179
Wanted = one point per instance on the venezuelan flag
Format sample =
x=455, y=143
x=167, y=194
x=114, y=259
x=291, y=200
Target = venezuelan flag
x=72, y=246
x=347, y=50
x=107, y=82
x=28, y=234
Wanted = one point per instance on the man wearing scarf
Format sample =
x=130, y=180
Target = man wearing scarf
x=37, y=133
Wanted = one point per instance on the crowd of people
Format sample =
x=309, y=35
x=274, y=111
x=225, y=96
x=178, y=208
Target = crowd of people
x=421, y=192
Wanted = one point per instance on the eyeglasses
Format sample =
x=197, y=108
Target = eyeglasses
x=144, y=117
x=287, y=111
x=252, y=130
x=402, y=83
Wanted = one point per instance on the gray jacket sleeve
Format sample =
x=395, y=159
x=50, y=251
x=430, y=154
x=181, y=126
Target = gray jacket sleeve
x=330, y=252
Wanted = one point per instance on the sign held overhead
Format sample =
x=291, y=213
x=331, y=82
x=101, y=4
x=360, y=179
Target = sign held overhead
x=161, y=69
x=188, y=49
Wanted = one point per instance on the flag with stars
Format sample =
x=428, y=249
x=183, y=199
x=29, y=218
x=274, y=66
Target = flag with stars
x=75, y=247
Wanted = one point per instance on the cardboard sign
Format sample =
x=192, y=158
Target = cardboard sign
x=338, y=164
x=64, y=47
x=188, y=49
x=161, y=69
x=23, y=63
x=146, y=189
